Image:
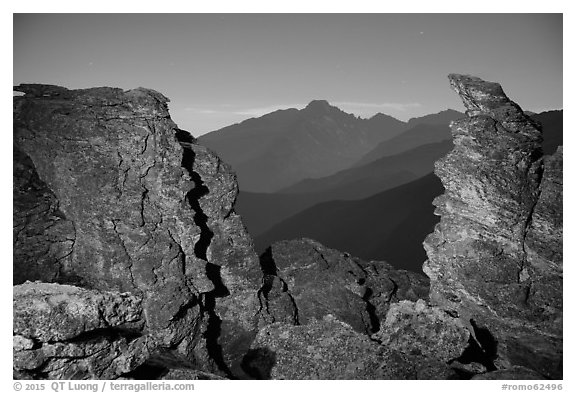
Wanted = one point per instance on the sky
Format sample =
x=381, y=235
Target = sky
x=220, y=69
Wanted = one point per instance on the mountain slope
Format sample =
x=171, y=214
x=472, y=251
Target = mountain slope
x=440, y=118
x=552, y=126
x=261, y=211
x=389, y=226
x=418, y=162
x=284, y=147
x=422, y=130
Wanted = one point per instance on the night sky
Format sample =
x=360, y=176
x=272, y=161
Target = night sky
x=219, y=69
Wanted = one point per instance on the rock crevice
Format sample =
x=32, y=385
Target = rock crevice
x=120, y=202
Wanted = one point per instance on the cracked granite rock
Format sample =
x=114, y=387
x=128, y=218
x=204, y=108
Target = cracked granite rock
x=495, y=258
x=305, y=281
x=65, y=332
x=110, y=195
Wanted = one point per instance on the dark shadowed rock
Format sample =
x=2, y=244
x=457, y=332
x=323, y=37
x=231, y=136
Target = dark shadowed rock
x=324, y=349
x=42, y=236
x=495, y=258
x=307, y=281
x=112, y=196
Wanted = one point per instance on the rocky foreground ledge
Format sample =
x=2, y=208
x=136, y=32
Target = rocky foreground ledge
x=130, y=262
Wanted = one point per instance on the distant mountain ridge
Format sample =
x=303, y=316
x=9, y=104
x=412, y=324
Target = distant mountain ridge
x=417, y=162
x=261, y=211
x=387, y=226
x=422, y=130
x=283, y=147
x=390, y=225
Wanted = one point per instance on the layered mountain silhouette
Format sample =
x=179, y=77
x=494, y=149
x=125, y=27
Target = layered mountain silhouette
x=281, y=148
x=420, y=131
x=407, y=165
x=387, y=226
x=261, y=211
x=392, y=224
x=360, y=185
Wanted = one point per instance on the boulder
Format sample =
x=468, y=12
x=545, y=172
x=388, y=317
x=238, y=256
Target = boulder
x=323, y=349
x=65, y=332
x=420, y=330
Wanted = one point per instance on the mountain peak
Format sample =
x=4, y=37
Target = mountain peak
x=383, y=116
x=319, y=105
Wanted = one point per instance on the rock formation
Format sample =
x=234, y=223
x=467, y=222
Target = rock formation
x=335, y=316
x=130, y=262
x=305, y=281
x=495, y=258
x=110, y=195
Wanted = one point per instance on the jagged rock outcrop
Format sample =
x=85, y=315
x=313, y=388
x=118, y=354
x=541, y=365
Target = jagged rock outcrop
x=111, y=196
x=495, y=258
x=305, y=281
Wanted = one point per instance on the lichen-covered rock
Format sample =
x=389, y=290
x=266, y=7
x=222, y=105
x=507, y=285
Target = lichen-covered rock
x=65, y=332
x=306, y=281
x=417, y=329
x=495, y=258
x=322, y=349
x=116, y=197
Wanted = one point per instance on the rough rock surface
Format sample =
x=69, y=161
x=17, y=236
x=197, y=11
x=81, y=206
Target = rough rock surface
x=323, y=349
x=423, y=331
x=110, y=195
x=42, y=236
x=305, y=281
x=495, y=258
x=65, y=332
